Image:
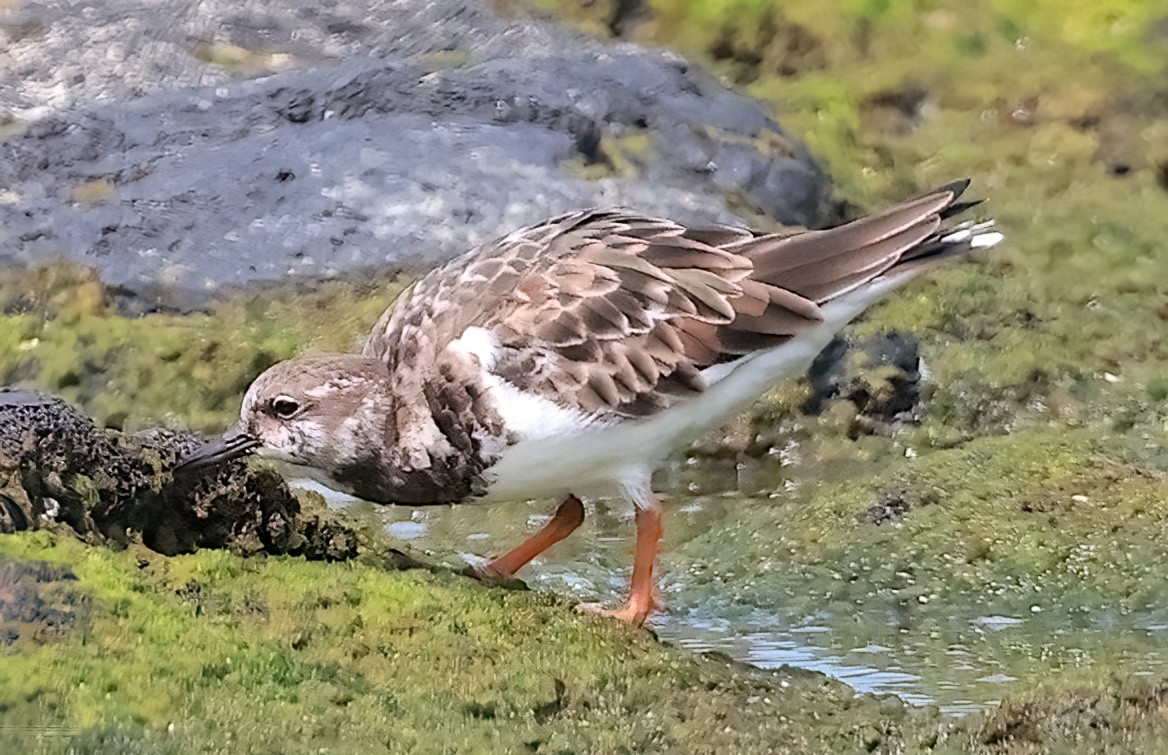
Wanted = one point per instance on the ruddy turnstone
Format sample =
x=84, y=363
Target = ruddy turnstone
x=572, y=357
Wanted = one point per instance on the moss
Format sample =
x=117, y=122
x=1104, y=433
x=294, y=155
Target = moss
x=1060, y=531
x=616, y=156
x=62, y=331
x=1034, y=497
x=236, y=59
x=92, y=192
x=212, y=651
x=1114, y=716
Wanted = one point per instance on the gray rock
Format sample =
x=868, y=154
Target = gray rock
x=357, y=135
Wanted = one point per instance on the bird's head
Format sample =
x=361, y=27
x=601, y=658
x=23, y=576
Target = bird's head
x=321, y=411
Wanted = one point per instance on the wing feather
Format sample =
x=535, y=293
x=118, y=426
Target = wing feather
x=610, y=313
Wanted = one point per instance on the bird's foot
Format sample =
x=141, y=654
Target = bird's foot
x=633, y=612
x=489, y=575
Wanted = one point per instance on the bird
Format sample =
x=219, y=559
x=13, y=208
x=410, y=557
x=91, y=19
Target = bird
x=569, y=359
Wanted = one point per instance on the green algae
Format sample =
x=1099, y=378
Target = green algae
x=616, y=156
x=215, y=652
x=1107, y=717
x=897, y=96
x=1013, y=558
x=1047, y=518
x=63, y=332
x=1100, y=715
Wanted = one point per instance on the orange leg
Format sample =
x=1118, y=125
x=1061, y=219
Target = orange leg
x=568, y=517
x=641, y=602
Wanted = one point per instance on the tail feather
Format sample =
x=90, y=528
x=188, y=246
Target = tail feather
x=959, y=207
x=776, y=257
x=795, y=273
x=845, y=272
x=821, y=265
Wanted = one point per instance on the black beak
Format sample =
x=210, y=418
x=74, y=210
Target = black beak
x=231, y=446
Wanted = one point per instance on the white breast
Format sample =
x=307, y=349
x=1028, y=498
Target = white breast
x=527, y=416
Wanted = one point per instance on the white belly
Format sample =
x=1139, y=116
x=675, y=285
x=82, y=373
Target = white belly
x=619, y=458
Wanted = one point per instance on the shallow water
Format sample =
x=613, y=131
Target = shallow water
x=963, y=663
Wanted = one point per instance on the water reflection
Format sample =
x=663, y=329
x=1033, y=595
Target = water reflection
x=964, y=664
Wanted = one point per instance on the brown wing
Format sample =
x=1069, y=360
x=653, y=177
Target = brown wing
x=610, y=313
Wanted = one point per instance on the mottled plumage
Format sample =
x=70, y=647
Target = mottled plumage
x=571, y=356
x=612, y=313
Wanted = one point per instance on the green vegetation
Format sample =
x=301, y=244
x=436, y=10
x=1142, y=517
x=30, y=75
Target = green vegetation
x=1056, y=338
x=61, y=331
x=1022, y=555
x=1054, y=109
x=212, y=652
x=134, y=652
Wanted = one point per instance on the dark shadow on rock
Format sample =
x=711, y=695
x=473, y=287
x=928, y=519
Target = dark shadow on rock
x=881, y=376
x=58, y=470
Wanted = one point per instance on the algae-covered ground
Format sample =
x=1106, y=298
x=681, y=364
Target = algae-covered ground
x=131, y=651
x=135, y=652
x=1017, y=526
x=63, y=332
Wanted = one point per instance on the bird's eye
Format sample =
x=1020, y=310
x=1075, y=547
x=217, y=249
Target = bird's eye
x=285, y=407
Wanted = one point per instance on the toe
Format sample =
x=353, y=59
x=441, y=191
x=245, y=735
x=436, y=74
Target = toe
x=489, y=575
x=630, y=614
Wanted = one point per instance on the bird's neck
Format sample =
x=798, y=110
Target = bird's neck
x=434, y=441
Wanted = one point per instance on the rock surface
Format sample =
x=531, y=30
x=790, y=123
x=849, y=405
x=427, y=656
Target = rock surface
x=880, y=375
x=181, y=148
x=37, y=601
x=58, y=469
